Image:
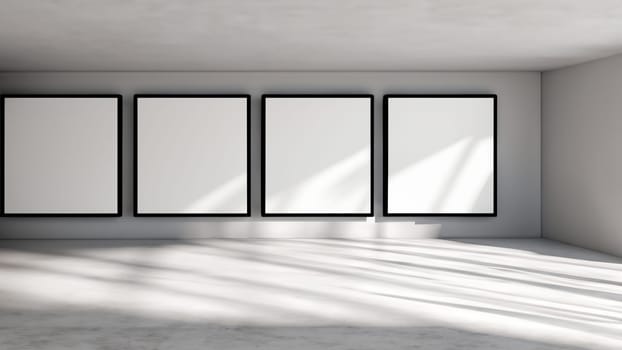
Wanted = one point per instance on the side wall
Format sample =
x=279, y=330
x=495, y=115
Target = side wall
x=582, y=154
x=518, y=153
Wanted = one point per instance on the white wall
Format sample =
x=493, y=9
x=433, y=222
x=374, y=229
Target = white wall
x=518, y=153
x=582, y=154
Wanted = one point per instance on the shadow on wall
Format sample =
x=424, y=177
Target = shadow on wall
x=440, y=155
x=344, y=184
x=451, y=179
x=227, y=195
x=449, y=169
x=309, y=294
x=182, y=173
x=458, y=182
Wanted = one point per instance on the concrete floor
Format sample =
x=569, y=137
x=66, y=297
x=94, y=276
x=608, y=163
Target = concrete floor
x=308, y=294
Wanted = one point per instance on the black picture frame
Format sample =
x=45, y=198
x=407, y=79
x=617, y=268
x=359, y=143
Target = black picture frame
x=119, y=179
x=264, y=213
x=385, y=155
x=247, y=97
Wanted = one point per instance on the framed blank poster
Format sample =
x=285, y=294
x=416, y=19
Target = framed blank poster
x=317, y=155
x=440, y=155
x=62, y=155
x=192, y=155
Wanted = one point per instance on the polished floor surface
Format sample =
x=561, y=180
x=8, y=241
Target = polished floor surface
x=308, y=294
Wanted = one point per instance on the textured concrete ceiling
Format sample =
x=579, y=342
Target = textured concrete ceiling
x=393, y=35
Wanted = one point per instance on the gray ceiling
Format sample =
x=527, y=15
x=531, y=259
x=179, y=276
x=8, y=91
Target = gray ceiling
x=394, y=35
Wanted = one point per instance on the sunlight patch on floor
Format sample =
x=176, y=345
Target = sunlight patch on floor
x=532, y=290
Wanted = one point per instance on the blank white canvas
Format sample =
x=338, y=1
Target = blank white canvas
x=60, y=155
x=192, y=155
x=440, y=155
x=318, y=155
